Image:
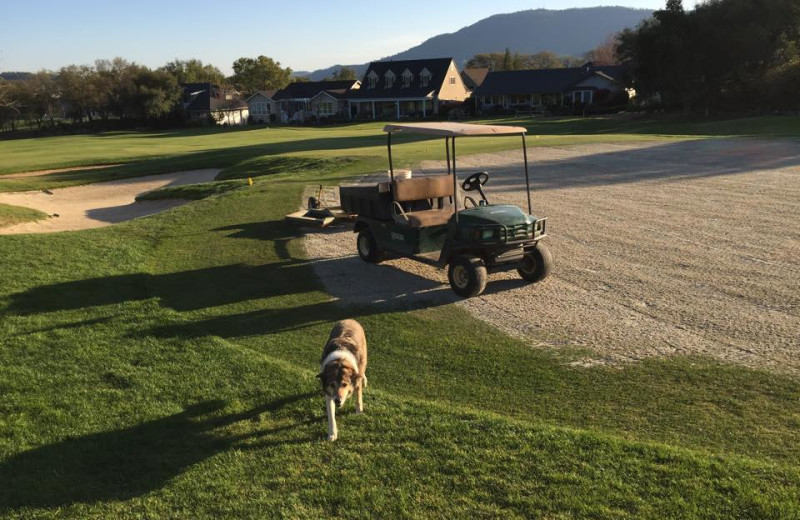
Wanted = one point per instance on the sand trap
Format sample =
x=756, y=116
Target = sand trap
x=659, y=249
x=100, y=204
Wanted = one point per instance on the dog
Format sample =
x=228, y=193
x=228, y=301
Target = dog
x=343, y=370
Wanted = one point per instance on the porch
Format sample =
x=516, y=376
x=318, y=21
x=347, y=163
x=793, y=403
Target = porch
x=393, y=109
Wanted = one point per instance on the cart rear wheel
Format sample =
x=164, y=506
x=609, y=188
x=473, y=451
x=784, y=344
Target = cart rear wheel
x=536, y=264
x=368, y=248
x=467, y=275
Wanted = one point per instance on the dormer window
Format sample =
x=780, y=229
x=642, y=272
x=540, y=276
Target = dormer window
x=372, y=79
x=407, y=77
x=389, y=76
x=425, y=77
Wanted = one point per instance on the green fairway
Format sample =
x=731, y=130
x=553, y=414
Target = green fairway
x=164, y=368
x=131, y=154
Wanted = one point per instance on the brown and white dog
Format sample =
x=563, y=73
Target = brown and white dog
x=343, y=369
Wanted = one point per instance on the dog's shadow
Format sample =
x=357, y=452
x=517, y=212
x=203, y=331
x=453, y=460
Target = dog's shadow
x=126, y=463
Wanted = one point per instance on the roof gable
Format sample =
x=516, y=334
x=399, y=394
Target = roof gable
x=309, y=89
x=436, y=69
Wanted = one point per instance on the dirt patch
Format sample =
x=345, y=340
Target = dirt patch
x=40, y=173
x=100, y=204
x=688, y=247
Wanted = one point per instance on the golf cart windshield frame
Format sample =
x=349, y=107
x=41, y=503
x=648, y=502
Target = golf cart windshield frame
x=450, y=131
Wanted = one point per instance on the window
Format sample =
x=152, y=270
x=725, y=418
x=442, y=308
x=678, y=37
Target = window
x=407, y=77
x=389, y=79
x=326, y=108
x=425, y=77
x=372, y=79
x=452, y=80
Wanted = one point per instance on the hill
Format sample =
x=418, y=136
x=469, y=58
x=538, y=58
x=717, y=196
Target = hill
x=565, y=32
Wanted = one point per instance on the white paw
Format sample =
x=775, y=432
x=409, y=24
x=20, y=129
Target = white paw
x=332, y=437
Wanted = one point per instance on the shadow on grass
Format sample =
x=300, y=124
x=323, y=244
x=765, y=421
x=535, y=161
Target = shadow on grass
x=185, y=290
x=122, y=464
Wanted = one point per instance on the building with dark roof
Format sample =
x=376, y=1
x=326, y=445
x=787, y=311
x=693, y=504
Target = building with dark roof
x=262, y=106
x=473, y=76
x=208, y=102
x=407, y=88
x=295, y=101
x=541, y=88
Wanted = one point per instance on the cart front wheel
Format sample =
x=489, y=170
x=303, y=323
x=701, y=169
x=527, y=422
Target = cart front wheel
x=368, y=248
x=536, y=264
x=467, y=275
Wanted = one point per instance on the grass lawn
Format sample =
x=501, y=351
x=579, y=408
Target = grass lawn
x=164, y=368
x=15, y=214
x=253, y=148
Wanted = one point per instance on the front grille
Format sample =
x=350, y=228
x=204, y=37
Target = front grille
x=518, y=232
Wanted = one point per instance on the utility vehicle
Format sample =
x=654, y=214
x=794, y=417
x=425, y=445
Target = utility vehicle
x=421, y=217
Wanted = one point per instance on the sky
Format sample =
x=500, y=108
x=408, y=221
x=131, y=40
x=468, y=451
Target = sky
x=313, y=34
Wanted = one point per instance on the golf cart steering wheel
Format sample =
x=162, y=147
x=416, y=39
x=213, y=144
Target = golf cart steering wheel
x=475, y=181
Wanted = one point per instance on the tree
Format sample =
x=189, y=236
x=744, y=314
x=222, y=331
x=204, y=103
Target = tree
x=674, y=6
x=605, y=53
x=508, y=62
x=155, y=94
x=250, y=75
x=692, y=60
x=544, y=60
x=9, y=106
x=77, y=87
x=520, y=61
x=193, y=71
x=344, y=73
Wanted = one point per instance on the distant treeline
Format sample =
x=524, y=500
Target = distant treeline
x=723, y=55
x=117, y=93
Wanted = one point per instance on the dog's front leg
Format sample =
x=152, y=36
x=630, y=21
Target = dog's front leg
x=359, y=398
x=330, y=406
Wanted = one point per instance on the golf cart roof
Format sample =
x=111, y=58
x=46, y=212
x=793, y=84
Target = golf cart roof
x=454, y=129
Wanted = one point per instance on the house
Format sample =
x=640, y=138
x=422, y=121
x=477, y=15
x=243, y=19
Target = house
x=329, y=103
x=538, y=89
x=473, y=76
x=407, y=88
x=262, y=106
x=208, y=102
x=294, y=101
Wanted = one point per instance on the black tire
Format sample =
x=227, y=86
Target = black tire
x=367, y=247
x=467, y=275
x=536, y=264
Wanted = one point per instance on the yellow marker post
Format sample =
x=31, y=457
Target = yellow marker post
x=249, y=181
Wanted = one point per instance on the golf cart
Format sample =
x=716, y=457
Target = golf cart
x=421, y=217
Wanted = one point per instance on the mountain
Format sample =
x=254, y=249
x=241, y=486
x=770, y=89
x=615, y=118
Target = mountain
x=565, y=32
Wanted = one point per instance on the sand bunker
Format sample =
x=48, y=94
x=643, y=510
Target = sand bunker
x=659, y=249
x=100, y=204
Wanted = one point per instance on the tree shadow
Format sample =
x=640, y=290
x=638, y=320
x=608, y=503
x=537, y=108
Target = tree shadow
x=185, y=290
x=126, y=463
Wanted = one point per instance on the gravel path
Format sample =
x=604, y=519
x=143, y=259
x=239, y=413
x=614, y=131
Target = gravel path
x=688, y=247
x=99, y=204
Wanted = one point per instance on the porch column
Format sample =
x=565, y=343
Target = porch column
x=423, y=108
x=349, y=110
x=397, y=106
x=373, y=111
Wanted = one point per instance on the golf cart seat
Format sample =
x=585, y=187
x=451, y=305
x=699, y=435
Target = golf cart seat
x=419, y=201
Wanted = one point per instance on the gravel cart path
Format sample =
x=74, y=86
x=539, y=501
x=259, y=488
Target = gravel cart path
x=688, y=247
